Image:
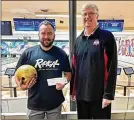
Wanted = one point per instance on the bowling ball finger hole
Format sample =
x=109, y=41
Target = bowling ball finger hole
x=23, y=79
x=35, y=75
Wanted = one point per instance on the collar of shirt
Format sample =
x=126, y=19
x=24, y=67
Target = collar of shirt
x=92, y=32
x=44, y=47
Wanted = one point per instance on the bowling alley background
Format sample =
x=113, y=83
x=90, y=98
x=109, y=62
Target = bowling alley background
x=125, y=46
x=16, y=47
x=12, y=49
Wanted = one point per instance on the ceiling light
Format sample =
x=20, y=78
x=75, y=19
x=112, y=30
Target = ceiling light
x=63, y=16
x=18, y=10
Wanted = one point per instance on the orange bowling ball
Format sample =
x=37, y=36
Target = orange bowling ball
x=25, y=73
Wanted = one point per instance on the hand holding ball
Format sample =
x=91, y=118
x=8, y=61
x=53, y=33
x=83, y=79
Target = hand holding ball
x=25, y=76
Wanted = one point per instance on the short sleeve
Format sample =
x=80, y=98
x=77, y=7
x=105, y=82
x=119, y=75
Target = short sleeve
x=66, y=63
x=22, y=60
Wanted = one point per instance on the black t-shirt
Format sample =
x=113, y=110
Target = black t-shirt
x=49, y=64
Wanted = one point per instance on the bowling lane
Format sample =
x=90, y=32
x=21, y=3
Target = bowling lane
x=125, y=64
x=8, y=63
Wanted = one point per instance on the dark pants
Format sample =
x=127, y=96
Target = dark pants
x=93, y=110
x=107, y=112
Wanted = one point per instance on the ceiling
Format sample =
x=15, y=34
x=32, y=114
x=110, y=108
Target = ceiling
x=29, y=9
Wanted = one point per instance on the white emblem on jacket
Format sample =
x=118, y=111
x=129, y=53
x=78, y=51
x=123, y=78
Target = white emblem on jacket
x=96, y=42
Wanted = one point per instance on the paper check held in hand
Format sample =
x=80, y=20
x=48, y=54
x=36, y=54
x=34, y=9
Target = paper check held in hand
x=53, y=81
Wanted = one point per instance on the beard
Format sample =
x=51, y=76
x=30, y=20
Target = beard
x=47, y=43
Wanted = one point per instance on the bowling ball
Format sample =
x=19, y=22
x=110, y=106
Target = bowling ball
x=25, y=73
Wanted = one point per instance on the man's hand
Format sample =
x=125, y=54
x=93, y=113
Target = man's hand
x=60, y=86
x=105, y=103
x=26, y=86
x=73, y=98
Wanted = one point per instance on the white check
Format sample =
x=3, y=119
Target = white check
x=53, y=81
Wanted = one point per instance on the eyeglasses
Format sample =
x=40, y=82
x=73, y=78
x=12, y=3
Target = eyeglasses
x=89, y=14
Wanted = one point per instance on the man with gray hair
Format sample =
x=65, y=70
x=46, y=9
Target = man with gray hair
x=49, y=61
x=94, y=68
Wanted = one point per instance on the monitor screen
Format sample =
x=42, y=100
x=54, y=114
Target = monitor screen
x=10, y=71
x=21, y=24
x=118, y=71
x=6, y=28
x=25, y=24
x=111, y=25
x=128, y=70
